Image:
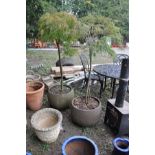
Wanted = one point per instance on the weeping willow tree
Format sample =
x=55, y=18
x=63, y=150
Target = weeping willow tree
x=60, y=28
x=97, y=30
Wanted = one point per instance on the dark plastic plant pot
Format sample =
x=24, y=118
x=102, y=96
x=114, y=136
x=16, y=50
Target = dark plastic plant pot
x=60, y=101
x=79, y=145
x=121, y=146
x=86, y=117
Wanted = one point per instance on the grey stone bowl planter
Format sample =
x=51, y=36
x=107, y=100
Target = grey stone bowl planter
x=47, y=124
x=86, y=117
x=60, y=101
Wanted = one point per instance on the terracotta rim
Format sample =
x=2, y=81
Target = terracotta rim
x=49, y=90
x=39, y=112
x=99, y=104
x=38, y=90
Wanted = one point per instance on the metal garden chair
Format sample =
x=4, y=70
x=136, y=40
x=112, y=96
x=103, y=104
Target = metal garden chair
x=93, y=76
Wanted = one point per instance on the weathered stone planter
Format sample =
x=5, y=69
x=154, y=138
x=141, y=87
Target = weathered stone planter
x=79, y=145
x=60, y=101
x=34, y=94
x=85, y=117
x=47, y=123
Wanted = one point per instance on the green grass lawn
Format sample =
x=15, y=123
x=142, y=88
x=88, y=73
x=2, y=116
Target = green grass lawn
x=49, y=58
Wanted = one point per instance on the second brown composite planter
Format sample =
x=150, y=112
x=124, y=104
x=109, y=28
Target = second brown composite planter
x=60, y=100
x=34, y=94
x=85, y=117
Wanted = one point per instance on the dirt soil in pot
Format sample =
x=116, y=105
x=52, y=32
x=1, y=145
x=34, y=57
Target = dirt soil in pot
x=80, y=103
x=79, y=148
x=32, y=87
x=47, y=122
x=57, y=90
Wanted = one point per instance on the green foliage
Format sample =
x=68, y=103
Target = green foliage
x=118, y=10
x=33, y=12
x=60, y=27
x=34, y=9
x=101, y=26
x=68, y=50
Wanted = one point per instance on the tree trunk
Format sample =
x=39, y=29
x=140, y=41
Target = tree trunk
x=89, y=74
x=58, y=46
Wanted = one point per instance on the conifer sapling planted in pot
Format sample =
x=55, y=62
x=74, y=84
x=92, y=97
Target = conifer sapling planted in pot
x=86, y=110
x=60, y=28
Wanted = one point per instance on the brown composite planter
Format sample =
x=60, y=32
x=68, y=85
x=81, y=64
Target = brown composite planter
x=34, y=94
x=60, y=101
x=86, y=117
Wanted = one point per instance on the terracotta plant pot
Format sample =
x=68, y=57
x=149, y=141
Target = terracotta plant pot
x=60, y=101
x=121, y=146
x=84, y=117
x=34, y=94
x=79, y=145
x=47, y=124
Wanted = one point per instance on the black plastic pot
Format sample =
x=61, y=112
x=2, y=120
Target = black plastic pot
x=121, y=146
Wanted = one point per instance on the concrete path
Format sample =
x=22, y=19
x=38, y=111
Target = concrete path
x=121, y=50
x=41, y=49
x=117, y=50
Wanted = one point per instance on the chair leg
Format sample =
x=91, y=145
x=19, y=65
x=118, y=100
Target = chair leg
x=101, y=88
x=113, y=87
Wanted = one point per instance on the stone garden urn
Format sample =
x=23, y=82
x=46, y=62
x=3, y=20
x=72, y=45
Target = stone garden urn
x=47, y=124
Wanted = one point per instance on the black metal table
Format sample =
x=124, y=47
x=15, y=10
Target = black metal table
x=109, y=71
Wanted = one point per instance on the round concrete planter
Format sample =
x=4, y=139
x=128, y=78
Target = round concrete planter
x=34, y=94
x=47, y=124
x=79, y=145
x=60, y=101
x=85, y=117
